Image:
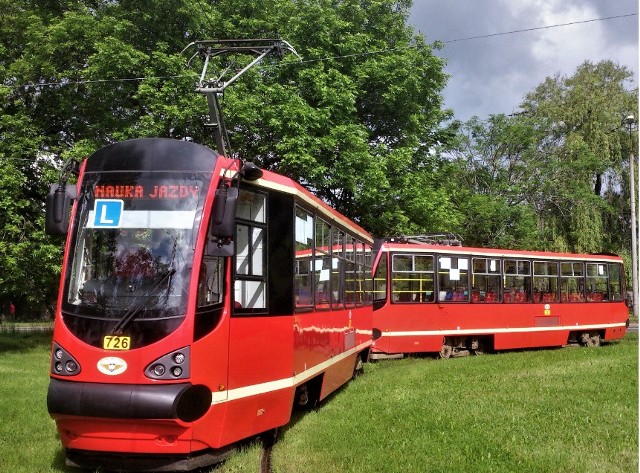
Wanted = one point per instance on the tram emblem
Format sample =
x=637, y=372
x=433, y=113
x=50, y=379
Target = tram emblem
x=112, y=365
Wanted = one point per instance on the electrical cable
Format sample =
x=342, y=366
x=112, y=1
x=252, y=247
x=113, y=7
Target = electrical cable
x=329, y=58
x=526, y=30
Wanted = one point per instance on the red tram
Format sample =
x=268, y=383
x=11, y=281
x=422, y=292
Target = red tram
x=201, y=298
x=450, y=299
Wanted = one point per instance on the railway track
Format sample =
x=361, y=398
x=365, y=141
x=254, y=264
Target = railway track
x=268, y=441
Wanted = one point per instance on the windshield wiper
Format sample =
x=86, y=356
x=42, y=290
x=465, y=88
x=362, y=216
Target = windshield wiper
x=140, y=303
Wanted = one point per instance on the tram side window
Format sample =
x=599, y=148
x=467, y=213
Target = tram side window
x=360, y=282
x=453, y=279
x=597, y=282
x=349, y=271
x=545, y=281
x=250, y=284
x=412, y=278
x=322, y=265
x=572, y=282
x=485, y=283
x=337, y=269
x=380, y=280
x=616, y=284
x=517, y=281
x=303, y=275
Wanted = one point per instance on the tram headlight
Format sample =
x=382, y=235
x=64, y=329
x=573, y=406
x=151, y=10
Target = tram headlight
x=174, y=365
x=63, y=363
x=179, y=358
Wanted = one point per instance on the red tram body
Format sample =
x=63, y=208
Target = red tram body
x=449, y=299
x=200, y=299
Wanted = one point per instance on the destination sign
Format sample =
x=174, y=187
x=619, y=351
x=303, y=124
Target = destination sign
x=109, y=191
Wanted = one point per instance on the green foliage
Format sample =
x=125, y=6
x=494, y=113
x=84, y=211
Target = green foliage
x=586, y=203
x=364, y=93
x=78, y=75
x=555, y=176
x=497, y=181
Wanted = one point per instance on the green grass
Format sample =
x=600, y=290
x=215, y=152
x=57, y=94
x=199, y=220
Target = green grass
x=28, y=437
x=565, y=410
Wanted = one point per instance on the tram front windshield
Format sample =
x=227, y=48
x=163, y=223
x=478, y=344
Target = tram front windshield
x=132, y=256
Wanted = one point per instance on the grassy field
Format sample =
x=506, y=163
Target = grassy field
x=564, y=410
x=28, y=438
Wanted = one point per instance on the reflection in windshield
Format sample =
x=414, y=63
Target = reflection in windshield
x=115, y=267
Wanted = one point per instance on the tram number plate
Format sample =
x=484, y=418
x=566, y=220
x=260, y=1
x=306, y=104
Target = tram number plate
x=112, y=342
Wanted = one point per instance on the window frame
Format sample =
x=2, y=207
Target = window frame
x=495, y=295
x=415, y=296
x=455, y=295
x=243, y=282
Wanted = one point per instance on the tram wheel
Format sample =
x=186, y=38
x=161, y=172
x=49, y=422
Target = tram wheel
x=358, y=368
x=302, y=396
x=477, y=346
x=479, y=351
x=590, y=339
x=446, y=351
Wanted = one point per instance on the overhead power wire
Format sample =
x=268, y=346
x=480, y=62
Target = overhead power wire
x=526, y=30
x=94, y=81
x=345, y=56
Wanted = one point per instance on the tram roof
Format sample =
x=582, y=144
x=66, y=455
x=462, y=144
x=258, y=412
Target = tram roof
x=271, y=180
x=494, y=252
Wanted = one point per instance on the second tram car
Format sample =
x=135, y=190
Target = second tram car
x=201, y=298
x=446, y=300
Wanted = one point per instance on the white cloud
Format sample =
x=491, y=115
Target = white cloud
x=492, y=75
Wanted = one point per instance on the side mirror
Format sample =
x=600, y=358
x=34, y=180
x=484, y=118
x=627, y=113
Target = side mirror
x=58, y=207
x=223, y=221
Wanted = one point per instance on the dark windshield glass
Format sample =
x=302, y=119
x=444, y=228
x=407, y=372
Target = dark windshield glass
x=133, y=248
x=113, y=268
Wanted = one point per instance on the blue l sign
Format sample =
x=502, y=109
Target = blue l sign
x=107, y=213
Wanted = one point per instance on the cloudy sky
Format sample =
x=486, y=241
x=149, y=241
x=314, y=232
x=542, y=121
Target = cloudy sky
x=492, y=75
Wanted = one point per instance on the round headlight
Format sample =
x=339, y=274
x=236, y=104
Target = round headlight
x=158, y=369
x=58, y=354
x=179, y=358
x=176, y=371
x=71, y=366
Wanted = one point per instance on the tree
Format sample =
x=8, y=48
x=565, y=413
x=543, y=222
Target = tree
x=496, y=181
x=56, y=60
x=584, y=114
x=351, y=121
x=554, y=176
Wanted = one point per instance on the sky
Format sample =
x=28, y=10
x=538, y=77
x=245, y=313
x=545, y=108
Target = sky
x=492, y=75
